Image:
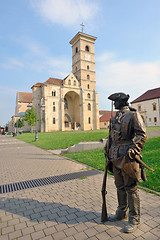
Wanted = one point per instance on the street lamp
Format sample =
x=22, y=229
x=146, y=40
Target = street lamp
x=29, y=108
x=36, y=136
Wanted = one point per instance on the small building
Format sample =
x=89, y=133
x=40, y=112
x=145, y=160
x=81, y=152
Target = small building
x=22, y=101
x=148, y=105
x=104, y=118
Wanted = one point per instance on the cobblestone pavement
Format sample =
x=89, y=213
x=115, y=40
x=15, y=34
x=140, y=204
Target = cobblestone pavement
x=67, y=210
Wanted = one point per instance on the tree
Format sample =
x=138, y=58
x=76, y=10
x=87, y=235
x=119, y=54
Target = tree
x=20, y=123
x=30, y=117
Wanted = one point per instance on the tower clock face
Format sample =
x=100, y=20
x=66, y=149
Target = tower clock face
x=87, y=57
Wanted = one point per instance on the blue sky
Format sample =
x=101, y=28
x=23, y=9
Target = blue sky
x=34, y=45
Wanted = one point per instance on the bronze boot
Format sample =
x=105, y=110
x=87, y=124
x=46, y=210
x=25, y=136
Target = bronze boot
x=134, y=212
x=121, y=212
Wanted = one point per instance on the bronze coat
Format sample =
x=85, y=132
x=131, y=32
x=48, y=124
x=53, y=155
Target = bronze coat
x=126, y=131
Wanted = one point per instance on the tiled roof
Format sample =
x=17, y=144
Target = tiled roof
x=106, y=115
x=37, y=85
x=150, y=94
x=24, y=97
x=54, y=81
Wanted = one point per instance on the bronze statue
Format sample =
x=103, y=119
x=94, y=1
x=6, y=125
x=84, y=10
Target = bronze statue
x=127, y=136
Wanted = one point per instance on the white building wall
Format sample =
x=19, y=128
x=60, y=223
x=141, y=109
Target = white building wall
x=150, y=116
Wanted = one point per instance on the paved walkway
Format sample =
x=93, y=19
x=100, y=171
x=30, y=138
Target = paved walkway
x=67, y=210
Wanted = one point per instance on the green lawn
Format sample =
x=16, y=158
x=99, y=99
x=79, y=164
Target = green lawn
x=58, y=140
x=151, y=156
x=95, y=158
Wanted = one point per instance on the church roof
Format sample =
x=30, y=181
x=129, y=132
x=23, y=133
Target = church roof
x=106, y=115
x=82, y=35
x=150, y=94
x=54, y=81
x=24, y=97
x=37, y=85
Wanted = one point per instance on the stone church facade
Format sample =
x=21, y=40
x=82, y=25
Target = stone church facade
x=72, y=102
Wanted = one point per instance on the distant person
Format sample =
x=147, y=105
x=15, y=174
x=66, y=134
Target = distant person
x=127, y=136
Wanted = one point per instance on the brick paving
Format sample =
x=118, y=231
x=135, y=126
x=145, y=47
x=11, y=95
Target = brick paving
x=67, y=210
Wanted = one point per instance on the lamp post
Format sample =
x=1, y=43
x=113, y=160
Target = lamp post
x=43, y=117
x=36, y=136
x=29, y=108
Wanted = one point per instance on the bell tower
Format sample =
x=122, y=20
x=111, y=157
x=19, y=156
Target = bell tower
x=83, y=68
x=83, y=59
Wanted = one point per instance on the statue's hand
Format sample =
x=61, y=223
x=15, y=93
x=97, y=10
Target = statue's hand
x=131, y=153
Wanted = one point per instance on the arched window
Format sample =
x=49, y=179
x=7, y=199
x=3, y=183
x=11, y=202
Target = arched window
x=88, y=86
x=74, y=82
x=69, y=82
x=54, y=120
x=76, y=49
x=155, y=119
x=88, y=77
x=87, y=67
x=53, y=93
x=87, y=49
x=154, y=107
x=89, y=107
x=88, y=95
x=54, y=108
x=76, y=69
x=139, y=108
x=89, y=120
x=53, y=103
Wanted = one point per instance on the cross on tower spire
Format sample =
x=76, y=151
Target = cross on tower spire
x=82, y=26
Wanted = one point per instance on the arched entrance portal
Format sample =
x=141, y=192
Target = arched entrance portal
x=71, y=110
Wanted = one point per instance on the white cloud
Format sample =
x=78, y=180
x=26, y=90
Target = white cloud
x=126, y=76
x=66, y=12
x=13, y=64
x=105, y=57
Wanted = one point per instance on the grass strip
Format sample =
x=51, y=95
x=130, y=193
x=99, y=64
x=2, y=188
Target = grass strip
x=59, y=140
x=151, y=154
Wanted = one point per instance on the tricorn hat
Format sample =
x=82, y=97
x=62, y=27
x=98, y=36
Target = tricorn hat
x=119, y=97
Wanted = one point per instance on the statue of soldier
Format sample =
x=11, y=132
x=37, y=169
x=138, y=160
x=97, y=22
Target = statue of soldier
x=127, y=136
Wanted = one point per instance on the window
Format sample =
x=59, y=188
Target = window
x=149, y=119
x=155, y=119
x=74, y=82
x=53, y=93
x=88, y=77
x=154, y=107
x=89, y=107
x=139, y=108
x=69, y=82
x=53, y=103
x=76, y=69
x=54, y=108
x=88, y=86
x=89, y=120
x=76, y=49
x=54, y=120
x=87, y=67
x=87, y=49
x=88, y=95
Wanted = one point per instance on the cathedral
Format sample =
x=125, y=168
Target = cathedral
x=70, y=103
x=65, y=104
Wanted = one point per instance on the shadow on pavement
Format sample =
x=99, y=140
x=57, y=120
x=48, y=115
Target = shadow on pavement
x=37, y=211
